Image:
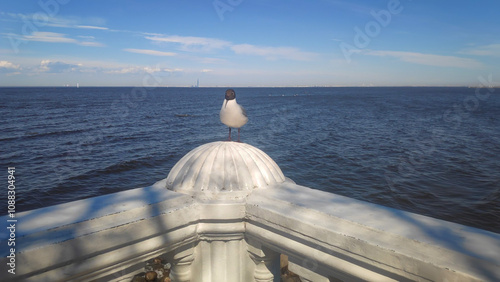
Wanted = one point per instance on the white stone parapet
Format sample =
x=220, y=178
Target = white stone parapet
x=226, y=212
x=223, y=171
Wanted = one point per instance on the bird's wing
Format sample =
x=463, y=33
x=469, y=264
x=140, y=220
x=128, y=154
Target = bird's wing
x=244, y=112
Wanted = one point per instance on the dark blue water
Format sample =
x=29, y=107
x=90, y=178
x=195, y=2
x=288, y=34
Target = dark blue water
x=432, y=151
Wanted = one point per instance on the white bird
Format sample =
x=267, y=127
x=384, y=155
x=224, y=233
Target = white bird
x=232, y=114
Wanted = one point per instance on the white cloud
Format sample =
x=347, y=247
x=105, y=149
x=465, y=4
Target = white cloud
x=273, y=53
x=150, y=52
x=58, y=67
x=42, y=19
x=196, y=44
x=75, y=66
x=8, y=66
x=92, y=27
x=125, y=70
x=89, y=37
x=192, y=43
x=428, y=59
x=157, y=69
x=53, y=37
x=485, y=50
x=91, y=44
x=140, y=69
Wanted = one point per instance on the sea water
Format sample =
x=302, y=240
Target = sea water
x=432, y=151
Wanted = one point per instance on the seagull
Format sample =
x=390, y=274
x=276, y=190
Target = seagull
x=232, y=114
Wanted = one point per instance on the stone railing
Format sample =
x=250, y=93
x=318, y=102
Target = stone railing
x=225, y=213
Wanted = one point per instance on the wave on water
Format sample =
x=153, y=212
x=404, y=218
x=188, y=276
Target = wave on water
x=390, y=146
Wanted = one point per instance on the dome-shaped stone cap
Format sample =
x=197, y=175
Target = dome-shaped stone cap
x=224, y=168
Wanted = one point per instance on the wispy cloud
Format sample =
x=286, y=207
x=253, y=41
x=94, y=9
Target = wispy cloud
x=57, y=21
x=428, y=59
x=196, y=44
x=91, y=44
x=88, y=37
x=54, y=37
x=76, y=65
x=191, y=43
x=492, y=50
x=150, y=52
x=140, y=69
x=92, y=27
x=273, y=53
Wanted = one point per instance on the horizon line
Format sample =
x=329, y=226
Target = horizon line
x=225, y=86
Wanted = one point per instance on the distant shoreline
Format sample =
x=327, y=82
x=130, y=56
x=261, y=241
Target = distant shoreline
x=229, y=86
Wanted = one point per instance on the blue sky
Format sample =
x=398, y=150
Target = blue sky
x=249, y=43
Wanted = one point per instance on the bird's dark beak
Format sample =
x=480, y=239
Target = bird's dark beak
x=225, y=104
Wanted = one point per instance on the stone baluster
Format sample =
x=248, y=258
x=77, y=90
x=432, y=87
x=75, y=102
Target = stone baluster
x=182, y=261
x=266, y=262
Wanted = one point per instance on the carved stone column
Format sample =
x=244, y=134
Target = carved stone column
x=220, y=176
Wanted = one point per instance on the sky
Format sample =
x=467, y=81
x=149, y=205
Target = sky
x=242, y=43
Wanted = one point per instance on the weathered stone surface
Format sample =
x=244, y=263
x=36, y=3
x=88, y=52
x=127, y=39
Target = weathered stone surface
x=252, y=215
x=223, y=170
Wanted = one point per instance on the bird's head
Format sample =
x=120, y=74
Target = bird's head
x=230, y=95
